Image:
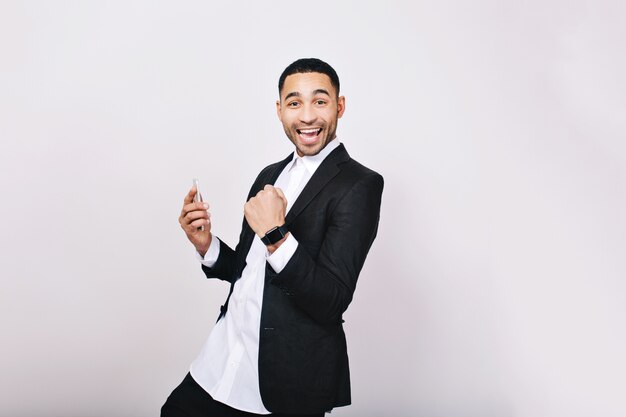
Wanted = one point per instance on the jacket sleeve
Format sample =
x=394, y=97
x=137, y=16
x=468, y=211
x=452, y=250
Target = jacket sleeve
x=323, y=287
x=224, y=267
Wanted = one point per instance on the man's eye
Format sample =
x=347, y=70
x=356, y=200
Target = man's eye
x=293, y=104
x=320, y=102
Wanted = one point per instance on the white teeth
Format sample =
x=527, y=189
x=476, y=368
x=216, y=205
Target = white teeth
x=307, y=131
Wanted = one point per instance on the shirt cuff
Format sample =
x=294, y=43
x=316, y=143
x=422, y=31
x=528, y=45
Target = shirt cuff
x=211, y=255
x=278, y=260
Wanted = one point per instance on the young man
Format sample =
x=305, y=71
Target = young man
x=278, y=346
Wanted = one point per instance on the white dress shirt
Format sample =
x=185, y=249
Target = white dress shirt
x=227, y=367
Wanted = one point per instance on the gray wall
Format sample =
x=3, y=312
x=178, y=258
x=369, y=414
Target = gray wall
x=496, y=286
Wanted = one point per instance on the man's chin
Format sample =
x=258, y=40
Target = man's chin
x=311, y=150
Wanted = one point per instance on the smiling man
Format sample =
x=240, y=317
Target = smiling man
x=308, y=109
x=278, y=347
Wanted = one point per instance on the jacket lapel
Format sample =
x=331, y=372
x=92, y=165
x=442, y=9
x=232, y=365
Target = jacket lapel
x=324, y=173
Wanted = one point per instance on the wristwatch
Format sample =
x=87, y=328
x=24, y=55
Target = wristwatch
x=274, y=235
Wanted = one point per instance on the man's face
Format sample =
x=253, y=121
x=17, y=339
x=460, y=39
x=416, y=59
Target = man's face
x=308, y=109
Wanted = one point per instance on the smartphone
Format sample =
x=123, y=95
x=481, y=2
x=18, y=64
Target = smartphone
x=198, y=197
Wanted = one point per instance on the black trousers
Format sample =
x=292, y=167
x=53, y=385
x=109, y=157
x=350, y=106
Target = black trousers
x=191, y=400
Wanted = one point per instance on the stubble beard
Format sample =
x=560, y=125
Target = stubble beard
x=292, y=134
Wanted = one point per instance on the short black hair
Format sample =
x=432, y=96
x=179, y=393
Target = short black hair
x=305, y=65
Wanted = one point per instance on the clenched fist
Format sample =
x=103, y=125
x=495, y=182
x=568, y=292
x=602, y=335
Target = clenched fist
x=266, y=210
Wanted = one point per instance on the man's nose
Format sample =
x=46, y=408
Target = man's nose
x=308, y=115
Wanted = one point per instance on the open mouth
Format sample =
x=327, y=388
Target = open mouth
x=309, y=135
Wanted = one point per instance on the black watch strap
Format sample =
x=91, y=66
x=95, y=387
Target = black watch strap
x=274, y=235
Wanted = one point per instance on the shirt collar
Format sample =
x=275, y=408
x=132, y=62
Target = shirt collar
x=311, y=163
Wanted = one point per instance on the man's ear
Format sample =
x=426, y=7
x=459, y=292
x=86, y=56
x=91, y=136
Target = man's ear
x=341, y=106
x=278, y=109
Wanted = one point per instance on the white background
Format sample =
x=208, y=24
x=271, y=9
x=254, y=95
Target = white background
x=496, y=285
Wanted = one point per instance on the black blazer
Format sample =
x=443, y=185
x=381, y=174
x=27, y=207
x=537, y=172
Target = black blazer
x=303, y=360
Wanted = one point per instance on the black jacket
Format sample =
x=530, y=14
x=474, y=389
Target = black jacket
x=303, y=361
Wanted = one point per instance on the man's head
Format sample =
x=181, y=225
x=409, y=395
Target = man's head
x=305, y=65
x=309, y=104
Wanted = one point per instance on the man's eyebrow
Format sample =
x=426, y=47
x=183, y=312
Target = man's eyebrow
x=292, y=94
x=321, y=91
x=297, y=94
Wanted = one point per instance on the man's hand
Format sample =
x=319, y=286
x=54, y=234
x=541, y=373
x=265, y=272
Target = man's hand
x=266, y=210
x=193, y=216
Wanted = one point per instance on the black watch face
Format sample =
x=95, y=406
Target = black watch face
x=274, y=236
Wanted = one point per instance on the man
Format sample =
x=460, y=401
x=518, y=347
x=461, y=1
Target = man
x=278, y=346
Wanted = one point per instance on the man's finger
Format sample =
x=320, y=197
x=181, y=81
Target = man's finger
x=198, y=206
x=281, y=194
x=196, y=214
x=190, y=195
x=199, y=223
